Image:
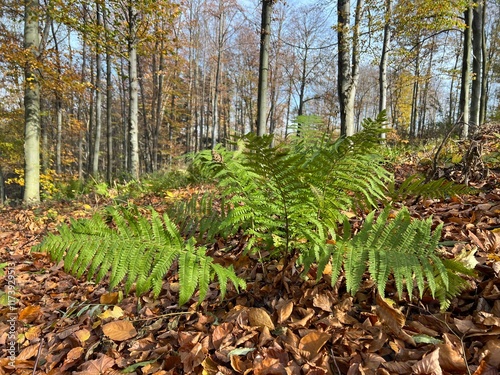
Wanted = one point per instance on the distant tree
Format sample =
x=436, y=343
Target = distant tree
x=348, y=62
x=31, y=104
x=265, y=36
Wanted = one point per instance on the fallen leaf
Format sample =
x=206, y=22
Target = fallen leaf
x=29, y=314
x=119, y=330
x=313, y=342
x=97, y=366
x=258, y=317
x=114, y=313
x=284, y=311
x=429, y=365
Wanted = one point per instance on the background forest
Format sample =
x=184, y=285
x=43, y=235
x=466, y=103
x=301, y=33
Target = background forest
x=127, y=87
x=243, y=186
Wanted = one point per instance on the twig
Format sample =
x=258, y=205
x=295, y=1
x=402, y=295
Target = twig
x=164, y=315
x=38, y=356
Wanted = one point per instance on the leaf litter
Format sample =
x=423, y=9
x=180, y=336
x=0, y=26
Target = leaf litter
x=281, y=324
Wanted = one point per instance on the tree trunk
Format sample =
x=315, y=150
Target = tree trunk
x=465, y=81
x=98, y=98
x=477, y=62
x=265, y=36
x=382, y=104
x=133, y=97
x=109, y=105
x=348, y=63
x=31, y=105
x=484, y=71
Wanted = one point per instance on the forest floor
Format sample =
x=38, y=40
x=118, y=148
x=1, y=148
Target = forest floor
x=281, y=324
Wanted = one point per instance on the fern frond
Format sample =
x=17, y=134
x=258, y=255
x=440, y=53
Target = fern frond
x=416, y=185
x=405, y=248
x=135, y=250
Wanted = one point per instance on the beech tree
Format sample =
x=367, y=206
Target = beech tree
x=265, y=36
x=31, y=104
x=348, y=62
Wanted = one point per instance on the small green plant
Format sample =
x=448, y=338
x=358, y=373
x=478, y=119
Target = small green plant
x=124, y=245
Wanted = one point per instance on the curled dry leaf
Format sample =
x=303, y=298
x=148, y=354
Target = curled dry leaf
x=450, y=358
x=429, y=365
x=259, y=317
x=284, y=311
x=491, y=353
x=29, y=314
x=119, y=330
x=114, y=313
x=97, y=366
x=313, y=342
x=82, y=335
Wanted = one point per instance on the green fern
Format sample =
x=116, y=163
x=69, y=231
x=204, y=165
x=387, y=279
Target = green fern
x=402, y=247
x=416, y=185
x=293, y=198
x=126, y=246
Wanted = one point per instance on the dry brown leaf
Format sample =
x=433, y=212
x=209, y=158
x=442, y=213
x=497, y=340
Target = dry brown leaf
x=302, y=322
x=114, y=313
x=110, y=298
x=33, y=333
x=324, y=301
x=450, y=358
x=29, y=314
x=119, y=330
x=97, y=366
x=240, y=365
x=313, y=342
x=491, y=353
x=284, y=311
x=429, y=365
x=222, y=335
x=28, y=352
x=82, y=335
x=258, y=317
x=392, y=319
x=72, y=358
x=209, y=366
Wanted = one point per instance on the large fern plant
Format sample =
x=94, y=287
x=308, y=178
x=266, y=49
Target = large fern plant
x=295, y=199
x=126, y=246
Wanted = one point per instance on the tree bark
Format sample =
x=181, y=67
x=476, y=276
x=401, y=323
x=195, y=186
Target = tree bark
x=348, y=63
x=133, y=95
x=31, y=105
x=265, y=36
x=109, y=104
x=382, y=104
x=465, y=81
x=477, y=62
x=98, y=97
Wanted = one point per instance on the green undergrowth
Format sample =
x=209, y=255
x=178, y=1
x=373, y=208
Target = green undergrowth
x=293, y=199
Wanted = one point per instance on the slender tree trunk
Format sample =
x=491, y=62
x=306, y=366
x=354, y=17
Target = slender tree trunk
x=98, y=97
x=215, y=104
x=477, y=63
x=348, y=70
x=382, y=104
x=91, y=118
x=58, y=103
x=81, y=133
x=133, y=96
x=265, y=36
x=31, y=105
x=125, y=116
x=109, y=104
x=484, y=70
x=415, y=94
x=465, y=81
x=452, y=97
